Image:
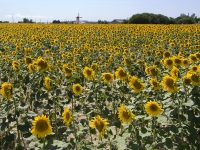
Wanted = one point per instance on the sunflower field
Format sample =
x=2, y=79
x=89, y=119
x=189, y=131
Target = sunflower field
x=110, y=87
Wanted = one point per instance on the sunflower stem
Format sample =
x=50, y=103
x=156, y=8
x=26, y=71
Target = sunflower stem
x=18, y=134
x=43, y=140
x=55, y=118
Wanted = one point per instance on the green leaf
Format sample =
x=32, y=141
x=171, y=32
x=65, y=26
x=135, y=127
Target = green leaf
x=188, y=103
x=60, y=144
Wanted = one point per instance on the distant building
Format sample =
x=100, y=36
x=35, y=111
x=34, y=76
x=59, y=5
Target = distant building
x=117, y=21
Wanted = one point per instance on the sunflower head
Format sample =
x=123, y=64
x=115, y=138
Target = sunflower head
x=125, y=115
x=168, y=84
x=32, y=68
x=28, y=60
x=67, y=116
x=186, y=80
x=41, y=64
x=168, y=62
x=107, y=77
x=77, y=89
x=184, y=62
x=120, y=73
x=88, y=73
x=154, y=84
x=174, y=73
x=195, y=69
x=100, y=124
x=6, y=90
x=15, y=65
x=68, y=71
x=41, y=126
x=166, y=54
x=47, y=82
x=136, y=84
x=153, y=108
x=193, y=58
x=195, y=78
x=153, y=71
x=94, y=66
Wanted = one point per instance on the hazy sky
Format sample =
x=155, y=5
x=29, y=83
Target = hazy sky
x=92, y=10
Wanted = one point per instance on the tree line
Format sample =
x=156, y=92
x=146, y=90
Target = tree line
x=150, y=18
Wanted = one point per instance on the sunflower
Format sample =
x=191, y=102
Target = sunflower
x=68, y=71
x=193, y=58
x=15, y=65
x=136, y=84
x=127, y=61
x=107, y=77
x=147, y=70
x=41, y=126
x=100, y=124
x=125, y=115
x=41, y=64
x=6, y=90
x=94, y=66
x=153, y=108
x=28, y=60
x=88, y=73
x=177, y=61
x=153, y=71
x=31, y=68
x=77, y=89
x=168, y=84
x=184, y=62
x=186, y=80
x=166, y=54
x=47, y=82
x=198, y=55
x=168, y=62
x=120, y=73
x=195, y=78
x=67, y=116
x=174, y=73
x=195, y=69
x=154, y=84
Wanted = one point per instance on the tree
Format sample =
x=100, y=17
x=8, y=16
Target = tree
x=56, y=21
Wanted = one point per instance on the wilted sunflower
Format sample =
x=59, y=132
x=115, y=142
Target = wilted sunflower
x=154, y=84
x=67, y=116
x=28, y=60
x=168, y=84
x=136, y=84
x=153, y=108
x=195, y=78
x=120, y=73
x=41, y=64
x=100, y=124
x=47, y=82
x=107, y=77
x=125, y=115
x=68, y=71
x=88, y=73
x=6, y=90
x=31, y=68
x=77, y=89
x=174, y=73
x=41, y=126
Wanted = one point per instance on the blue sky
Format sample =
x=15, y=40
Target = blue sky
x=92, y=10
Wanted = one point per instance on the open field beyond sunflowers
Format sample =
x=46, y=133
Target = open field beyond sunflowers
x=99, y=86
